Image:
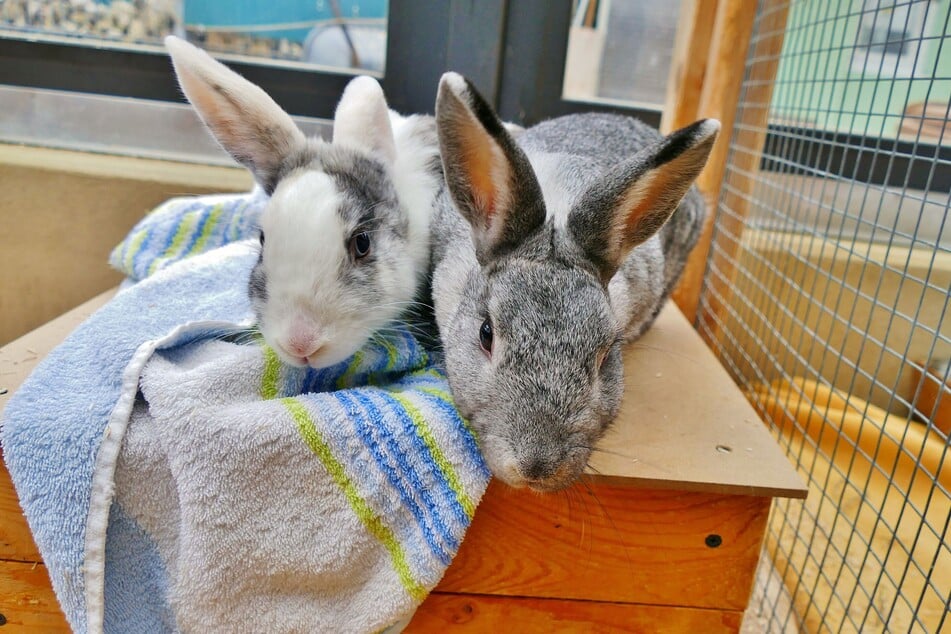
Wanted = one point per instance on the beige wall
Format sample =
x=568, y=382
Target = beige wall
x=61, y=214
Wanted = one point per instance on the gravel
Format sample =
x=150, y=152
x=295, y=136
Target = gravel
x=134, y=21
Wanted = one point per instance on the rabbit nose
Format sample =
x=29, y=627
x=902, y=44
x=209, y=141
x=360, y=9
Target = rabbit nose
x=537, y=468
x=303, y=346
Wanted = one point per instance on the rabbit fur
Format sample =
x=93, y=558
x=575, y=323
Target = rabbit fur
x=566, y=242
x=345, y=234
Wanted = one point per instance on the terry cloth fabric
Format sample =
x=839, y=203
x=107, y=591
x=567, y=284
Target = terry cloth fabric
x=182, y=227
x=178, y=477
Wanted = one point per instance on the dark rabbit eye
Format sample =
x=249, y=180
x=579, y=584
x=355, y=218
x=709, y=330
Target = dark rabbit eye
x=261, y=238
x=360, y=245
x=485, y=335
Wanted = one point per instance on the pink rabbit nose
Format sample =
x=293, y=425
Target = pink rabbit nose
x=303, y=344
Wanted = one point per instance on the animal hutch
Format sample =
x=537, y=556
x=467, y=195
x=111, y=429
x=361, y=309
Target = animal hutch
x=801, y=354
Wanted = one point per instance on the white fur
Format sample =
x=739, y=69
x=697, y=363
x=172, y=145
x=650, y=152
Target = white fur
x=308, y=315
x=303, y=274
x=362, y=119
x=416, y=188
x=558, y=198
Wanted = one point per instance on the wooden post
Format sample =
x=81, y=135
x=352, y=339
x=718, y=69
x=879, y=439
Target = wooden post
x=689, y=64
x=723, y=76
x=752, y=121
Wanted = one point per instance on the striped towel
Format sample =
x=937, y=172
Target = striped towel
x=186, y=226
x=177, y=476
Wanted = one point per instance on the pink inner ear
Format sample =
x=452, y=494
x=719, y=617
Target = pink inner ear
x=477, y=162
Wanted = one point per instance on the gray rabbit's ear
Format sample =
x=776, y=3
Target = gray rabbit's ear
x=488, y=176
x=362, y=119
x=634, y=201
x=246, y=122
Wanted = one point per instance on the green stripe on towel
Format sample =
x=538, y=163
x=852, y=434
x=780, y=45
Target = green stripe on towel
x=370, y=519
x=185, y=228
x=272, y=372
x=210, y=225
x=347, y=377
x=133, y=250
x=438, y=456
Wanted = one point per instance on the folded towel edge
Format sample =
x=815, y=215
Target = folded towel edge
x=102, y=490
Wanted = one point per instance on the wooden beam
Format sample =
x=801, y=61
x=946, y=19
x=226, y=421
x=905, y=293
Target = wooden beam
x=723, y=76
x=752, y=120
x=688, y=65
x=614, y=544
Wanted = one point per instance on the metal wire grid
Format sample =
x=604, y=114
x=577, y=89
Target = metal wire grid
x=823, y=302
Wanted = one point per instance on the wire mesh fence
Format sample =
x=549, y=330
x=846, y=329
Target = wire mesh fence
x=826, y=296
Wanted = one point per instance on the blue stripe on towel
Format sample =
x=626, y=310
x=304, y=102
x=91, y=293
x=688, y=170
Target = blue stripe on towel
x=411, y=432
x=366, y=430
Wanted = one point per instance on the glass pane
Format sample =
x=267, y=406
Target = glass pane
x=342, y=34
x=620, y=51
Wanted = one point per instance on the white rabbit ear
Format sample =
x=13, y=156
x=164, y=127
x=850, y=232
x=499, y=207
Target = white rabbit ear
x=634, y=201
x=362, y=119
x=245, y=121
x=489, y=177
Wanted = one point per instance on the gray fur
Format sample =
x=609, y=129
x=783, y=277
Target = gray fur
x=557, y=298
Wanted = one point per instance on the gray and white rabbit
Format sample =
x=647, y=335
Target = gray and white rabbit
x=345, y=234
x=549, y=252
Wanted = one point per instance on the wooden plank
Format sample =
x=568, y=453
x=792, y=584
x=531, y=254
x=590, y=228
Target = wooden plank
x=190, y=177
x=16, y=542
x=473, y=613
x=27, y=602
x=687, y=70
x=612, y=543
x=684, y=424
x=723, y=77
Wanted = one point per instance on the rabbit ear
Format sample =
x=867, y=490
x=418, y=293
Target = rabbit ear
x=247, y=123
x=633, y=202
x=488, y=176
x=362, y=119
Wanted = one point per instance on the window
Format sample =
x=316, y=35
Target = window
x=75, y=74
x=319, y=33
x=621, y=50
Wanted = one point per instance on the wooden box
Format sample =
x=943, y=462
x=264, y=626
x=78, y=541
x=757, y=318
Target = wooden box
x=662, y=536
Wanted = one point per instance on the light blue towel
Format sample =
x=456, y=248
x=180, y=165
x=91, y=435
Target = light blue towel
x=177, y=476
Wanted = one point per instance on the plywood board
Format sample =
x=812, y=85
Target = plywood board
x=685, y=425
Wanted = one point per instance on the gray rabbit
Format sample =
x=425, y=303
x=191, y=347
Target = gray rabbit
x=549, y=252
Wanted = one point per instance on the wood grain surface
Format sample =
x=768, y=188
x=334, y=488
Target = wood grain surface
x=466, y=613
x=27, y=602
x=612, y=543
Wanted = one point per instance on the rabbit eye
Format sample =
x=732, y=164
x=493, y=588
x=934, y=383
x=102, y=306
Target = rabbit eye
x=360, y=245
x=261, y=238
x=485, y=336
